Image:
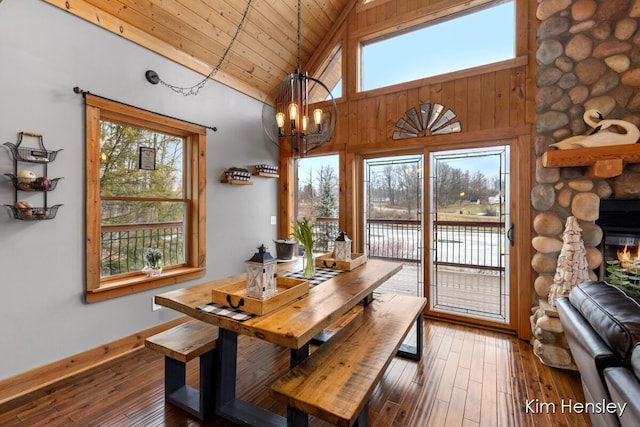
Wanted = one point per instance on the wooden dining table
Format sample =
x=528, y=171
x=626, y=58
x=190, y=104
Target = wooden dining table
x=293, y=326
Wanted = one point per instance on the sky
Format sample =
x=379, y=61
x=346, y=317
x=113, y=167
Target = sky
x=464, y=42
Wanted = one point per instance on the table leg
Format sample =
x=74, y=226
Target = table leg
x=297, y=418
x=226, y=366
x=298, y=355
x=227, y=404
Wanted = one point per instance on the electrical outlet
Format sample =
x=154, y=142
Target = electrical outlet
x=154, y=306
x=273, y=220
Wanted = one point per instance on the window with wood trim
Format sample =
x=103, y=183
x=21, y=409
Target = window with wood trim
x=145, y=191
x=329, y=73
x=452, y=41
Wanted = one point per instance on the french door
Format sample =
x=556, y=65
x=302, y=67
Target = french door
x=393, y=217
x=470, y=234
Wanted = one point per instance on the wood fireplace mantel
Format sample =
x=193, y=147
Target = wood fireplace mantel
x=603, y=162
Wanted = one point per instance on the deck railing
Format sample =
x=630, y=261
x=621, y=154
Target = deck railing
x=325, y=232
x=476, y=244
x=123, y=245
x=395, y=239
x=464, y=244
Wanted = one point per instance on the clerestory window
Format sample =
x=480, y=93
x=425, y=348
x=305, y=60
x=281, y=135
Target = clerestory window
x=475, y=37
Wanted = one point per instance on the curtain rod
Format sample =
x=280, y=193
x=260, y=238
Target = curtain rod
x=84, y=93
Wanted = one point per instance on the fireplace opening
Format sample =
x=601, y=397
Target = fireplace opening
x=620, y=223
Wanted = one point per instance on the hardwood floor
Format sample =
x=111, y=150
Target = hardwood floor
x=467, y=377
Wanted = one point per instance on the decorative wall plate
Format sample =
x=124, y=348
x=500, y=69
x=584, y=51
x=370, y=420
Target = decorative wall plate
x=428, y=121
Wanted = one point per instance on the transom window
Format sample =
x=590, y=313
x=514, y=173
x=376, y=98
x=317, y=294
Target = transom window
x=475, y=37
x=145, y=190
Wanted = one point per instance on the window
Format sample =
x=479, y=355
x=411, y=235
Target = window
x=478, y=36
x=317, y=197
x=329, y=73
x=145, y=189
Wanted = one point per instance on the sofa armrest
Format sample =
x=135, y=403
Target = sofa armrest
x=624, y=389
x=591, y=355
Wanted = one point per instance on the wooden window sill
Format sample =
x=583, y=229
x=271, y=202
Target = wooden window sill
x=138, y=283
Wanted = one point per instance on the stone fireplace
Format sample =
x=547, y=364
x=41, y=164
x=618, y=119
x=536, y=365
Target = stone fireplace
x=588, y=58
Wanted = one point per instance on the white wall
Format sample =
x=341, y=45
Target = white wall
x=44, y=53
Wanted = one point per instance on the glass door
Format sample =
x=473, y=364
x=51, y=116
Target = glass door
x=469, y=226
x=393, y=229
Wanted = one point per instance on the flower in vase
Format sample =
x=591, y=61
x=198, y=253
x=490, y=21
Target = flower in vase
x=303, y=232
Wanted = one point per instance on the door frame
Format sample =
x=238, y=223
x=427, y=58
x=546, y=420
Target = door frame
x=520, y=216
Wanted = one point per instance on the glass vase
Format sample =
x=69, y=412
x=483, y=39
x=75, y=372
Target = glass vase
x=308, y=264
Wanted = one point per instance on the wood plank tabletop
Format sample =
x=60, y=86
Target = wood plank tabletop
x=295, y=324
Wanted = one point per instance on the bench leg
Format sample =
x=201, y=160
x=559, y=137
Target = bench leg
x=174, y=375
x=207, y=384
x=199, y=403
x=410, y=352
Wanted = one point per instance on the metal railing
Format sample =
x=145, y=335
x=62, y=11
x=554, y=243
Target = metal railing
x=394, y=239
x=469, y=244
x=123, y=245
x=325, y=232
x=386, y=238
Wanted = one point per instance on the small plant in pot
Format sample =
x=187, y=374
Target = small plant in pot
x=153, y=257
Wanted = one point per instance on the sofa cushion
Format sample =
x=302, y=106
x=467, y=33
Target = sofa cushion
x=613, y=315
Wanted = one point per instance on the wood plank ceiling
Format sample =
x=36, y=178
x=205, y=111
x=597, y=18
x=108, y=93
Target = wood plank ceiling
x=196, y=33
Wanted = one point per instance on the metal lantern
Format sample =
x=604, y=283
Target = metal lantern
x=261, y=274
x=342, y=247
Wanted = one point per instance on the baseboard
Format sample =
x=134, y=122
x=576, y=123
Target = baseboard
x=21, y=388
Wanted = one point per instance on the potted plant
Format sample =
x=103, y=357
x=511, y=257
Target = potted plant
x=303, y=232
x=153, y=257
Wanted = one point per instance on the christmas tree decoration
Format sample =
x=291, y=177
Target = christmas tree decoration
x=572, y=266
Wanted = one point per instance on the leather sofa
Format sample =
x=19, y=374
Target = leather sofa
x=602, y=327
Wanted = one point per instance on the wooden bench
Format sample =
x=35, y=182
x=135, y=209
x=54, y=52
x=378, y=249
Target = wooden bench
x=180, y=345
x=336, y=381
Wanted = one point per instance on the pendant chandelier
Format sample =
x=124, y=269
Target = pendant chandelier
x=305, y=111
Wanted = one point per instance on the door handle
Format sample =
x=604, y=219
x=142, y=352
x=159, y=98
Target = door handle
x=510, y=232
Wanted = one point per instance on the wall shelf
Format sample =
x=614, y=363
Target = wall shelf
x=266, y=175
x=227, y=179
x=603, y=162
x=235, y=182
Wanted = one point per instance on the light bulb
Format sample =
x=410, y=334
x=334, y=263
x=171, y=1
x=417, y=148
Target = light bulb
x=304, y=123
x=317, y=116
x=280, y=119
x=293, y=111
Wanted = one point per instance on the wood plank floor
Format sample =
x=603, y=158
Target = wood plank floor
x=467, y=377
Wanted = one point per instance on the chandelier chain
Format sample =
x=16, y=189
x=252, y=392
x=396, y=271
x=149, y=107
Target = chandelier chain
x=193, y=90
x=298, y=69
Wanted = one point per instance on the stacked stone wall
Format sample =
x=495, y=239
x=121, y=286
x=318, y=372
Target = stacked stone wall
x=588, y=58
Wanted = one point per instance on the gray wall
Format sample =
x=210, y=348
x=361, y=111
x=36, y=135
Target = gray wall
x=44, y=53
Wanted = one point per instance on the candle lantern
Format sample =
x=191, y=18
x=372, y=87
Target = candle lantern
x=342, y=247
x=261, y=274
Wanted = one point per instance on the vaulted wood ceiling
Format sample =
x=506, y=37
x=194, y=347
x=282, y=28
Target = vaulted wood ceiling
x=196, y=33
